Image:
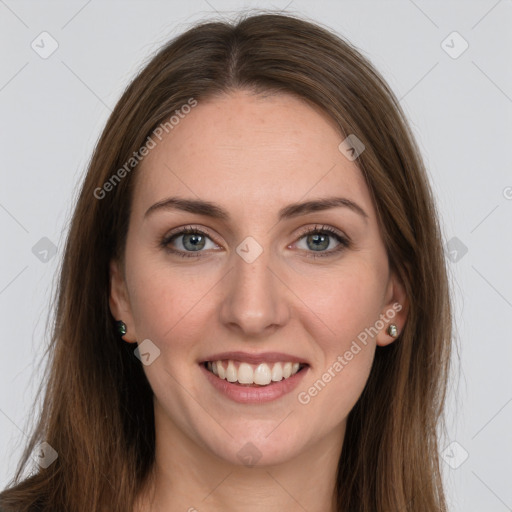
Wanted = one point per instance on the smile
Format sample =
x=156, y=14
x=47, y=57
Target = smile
x=248, y=374
x=243, y=386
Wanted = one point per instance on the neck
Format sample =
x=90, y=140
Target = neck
x=189, y=477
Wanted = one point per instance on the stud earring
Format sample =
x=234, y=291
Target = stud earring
x=121, y=327
x=392, y=330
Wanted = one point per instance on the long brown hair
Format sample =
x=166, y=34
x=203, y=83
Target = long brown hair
x=97, y=411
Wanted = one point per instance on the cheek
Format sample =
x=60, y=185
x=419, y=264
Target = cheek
x=337, y=381
x=347, y=301
x=333, y=392
x=168, y=301
x=348, y=304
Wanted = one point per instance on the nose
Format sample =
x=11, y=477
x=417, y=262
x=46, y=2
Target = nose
x=255, y=301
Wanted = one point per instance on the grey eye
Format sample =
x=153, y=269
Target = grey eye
x=193, y=241
x=318, y=242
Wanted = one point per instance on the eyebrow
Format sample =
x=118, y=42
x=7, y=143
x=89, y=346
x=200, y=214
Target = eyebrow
x=215, y=211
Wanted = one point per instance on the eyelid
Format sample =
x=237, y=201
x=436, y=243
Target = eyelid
x=189, y=228
x=322, y=227
x=183, y=230
x=343, y=240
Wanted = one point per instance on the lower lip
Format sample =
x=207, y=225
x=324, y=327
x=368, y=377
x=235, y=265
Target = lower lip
x=255, y=395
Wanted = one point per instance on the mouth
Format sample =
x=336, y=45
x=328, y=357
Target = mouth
x=253, y=375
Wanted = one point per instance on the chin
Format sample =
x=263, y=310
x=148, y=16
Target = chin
x=259, y=450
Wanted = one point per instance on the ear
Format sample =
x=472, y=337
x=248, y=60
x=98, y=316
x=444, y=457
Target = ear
x=119, y=301
x=395, y=308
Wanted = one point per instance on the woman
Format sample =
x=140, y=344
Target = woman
x=253, y=311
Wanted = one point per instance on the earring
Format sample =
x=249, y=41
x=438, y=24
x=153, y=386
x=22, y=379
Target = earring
x=392, y=330
x=121, y=327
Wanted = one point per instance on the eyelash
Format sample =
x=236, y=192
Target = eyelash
x=344, y=241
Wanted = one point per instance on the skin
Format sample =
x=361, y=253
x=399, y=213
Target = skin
x=252, y=155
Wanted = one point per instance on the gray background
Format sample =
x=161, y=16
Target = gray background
x=459, y=104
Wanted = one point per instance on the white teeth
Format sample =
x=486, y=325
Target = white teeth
x=231, y=373
x=277, y=372
x=220, y=370
x=245, y=374
x=261, y=374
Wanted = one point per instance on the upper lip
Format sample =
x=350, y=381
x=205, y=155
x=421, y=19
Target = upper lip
x=265, y=357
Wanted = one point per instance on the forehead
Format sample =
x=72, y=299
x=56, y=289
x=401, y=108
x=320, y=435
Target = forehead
x=243, y=150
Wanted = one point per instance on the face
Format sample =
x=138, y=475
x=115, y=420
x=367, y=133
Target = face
x=254, y=275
